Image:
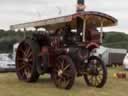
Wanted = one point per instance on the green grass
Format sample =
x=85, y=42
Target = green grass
x=11, y=86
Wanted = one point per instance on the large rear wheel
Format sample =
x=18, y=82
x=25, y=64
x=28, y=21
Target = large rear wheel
x=26, y=59
x=63, y=73
x=96, y=72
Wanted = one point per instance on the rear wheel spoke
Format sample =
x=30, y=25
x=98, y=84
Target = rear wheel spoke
x=65, y=68
x=29, y=55
x=27, y=51
x=67, y=75
x=22, y=67
x=22, y=51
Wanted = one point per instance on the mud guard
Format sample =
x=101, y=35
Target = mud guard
x=92, y=46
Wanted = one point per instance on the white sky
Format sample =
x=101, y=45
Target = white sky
x=20, y=11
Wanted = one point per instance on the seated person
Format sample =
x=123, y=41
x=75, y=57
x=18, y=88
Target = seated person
x=92, y=33
x=70, y=37
x=57, y=38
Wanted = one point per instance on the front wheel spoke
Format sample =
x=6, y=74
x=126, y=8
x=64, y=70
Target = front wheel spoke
x=96, y=81
x=101, y=74
x=100, y=77
x=92, y=81
x=100, y=69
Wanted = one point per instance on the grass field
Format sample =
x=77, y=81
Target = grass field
x=11, y=86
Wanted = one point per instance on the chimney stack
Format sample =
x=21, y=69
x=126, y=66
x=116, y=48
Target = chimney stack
x=80, y=5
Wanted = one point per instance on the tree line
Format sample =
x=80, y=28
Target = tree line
x=9, y=38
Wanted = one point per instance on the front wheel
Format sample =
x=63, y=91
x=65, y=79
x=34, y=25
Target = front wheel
x=96, y=72
x=63, y=73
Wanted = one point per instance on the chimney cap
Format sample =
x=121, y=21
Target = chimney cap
x=80, y=1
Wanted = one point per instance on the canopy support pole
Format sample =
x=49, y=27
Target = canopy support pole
x=101, y=32
x=84, y=29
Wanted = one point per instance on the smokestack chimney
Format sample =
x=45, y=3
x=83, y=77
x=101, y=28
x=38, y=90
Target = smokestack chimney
x=80, y=5
x=80, y=1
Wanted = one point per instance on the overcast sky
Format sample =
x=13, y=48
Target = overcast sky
x=20, y=11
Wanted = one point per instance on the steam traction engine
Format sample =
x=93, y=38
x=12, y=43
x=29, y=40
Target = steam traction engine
x=65, y=50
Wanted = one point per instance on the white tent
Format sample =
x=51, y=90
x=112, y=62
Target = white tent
x=15, y=46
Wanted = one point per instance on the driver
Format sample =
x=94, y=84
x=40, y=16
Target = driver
x=63, y=36
x=92, y=33
x=69, y=37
